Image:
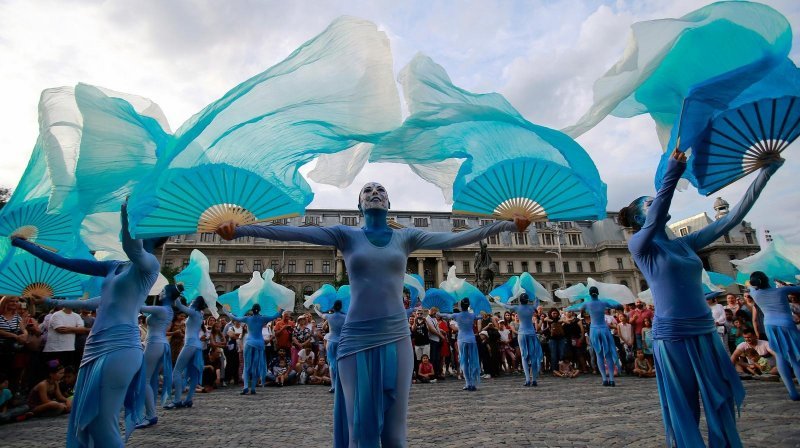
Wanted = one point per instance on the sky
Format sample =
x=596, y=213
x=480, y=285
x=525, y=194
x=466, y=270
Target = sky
x=542, y=55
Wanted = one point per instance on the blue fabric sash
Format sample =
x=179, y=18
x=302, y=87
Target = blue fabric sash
x=469, y=361
x=785, y=342
x=781, y=320
x=531, y=350
x=374, y=343
x=255, y=363
x=603, y=344
x=194, y=369
x=681, y=327
x=86, y=403
x=331, y=353
x=719, y=385
x=166, y=363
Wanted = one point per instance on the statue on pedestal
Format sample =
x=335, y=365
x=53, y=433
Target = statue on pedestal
x=485, y=269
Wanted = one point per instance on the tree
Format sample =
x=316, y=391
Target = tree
x=5, y=195
x=169, y=273
x=343, y=279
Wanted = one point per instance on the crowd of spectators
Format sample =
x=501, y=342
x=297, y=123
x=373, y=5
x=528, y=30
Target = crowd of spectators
x=40, y=350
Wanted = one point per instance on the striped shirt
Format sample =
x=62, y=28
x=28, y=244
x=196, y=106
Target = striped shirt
x=11, y=326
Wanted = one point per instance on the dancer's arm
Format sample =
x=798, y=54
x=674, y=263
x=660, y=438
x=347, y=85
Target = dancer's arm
x=658, y=213
x=134, y=248
x=506, y=306
x=183, y=308
x=446, y=240
x=710, y=233
x=274, y=316
x=81, y=266
x=242, y=319
x=157, y=310
x=324, y=236
x=74, y=304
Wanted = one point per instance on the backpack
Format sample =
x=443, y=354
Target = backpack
x=557, y=329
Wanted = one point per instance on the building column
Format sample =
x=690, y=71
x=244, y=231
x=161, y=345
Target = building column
x=439, y=271
x=339, y=268
x=421, y=268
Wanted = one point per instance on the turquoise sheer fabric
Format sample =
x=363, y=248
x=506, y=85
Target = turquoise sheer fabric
x=518, y=284
x=274, y=297
x=459, y=289
x=334, y=92
x=415, y=286
x=779, y=259
x=731, y=121
x=618, y=293
x=197, y=281
x=241, y=300
x=501, y=150
x=327, y=295
x=666, y=57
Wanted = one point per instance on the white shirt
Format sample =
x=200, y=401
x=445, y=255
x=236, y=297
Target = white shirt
x=62, y=342
x=267, y=334
x=762, y=347
x=432, y=321
x=718, y=312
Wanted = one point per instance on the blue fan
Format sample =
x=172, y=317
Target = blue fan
x=720, y=279
x=505, y=291
x=479, y=303
x=31, y=221
x=200, y=198
x=439, y=298
x=326, y=295
x=536, y=189
x=741, y=140
x=25, y=275
x=415, y=286
x=343, y=294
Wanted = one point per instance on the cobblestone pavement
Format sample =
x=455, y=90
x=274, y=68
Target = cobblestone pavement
x=559, y=413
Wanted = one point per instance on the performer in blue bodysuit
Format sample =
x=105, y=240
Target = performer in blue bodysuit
x=189, y=364
x=467, y=345
x=599, y=334
x=255, y=363
x=529, y=345
x=335, y=323
x=690, y=358
x=110, y=374
x=375, y=360
x=157, y=353
x=784, y=337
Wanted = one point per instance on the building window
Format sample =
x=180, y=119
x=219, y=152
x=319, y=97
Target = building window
x=273, y=264
x=206, y=237
x=624, y=283
x=524, y=267
x=459, y=222
x=308, y=290
x=643, y=285
x=184, y=263
x=465, y=267
x=579, y=266
x=292, y=267
x=574, y=239
x=494, y=239
x=552, y=266
x=683, y=231
x=731, y=256
x=619, y=264
x=168, y=263
x=309, y=266
x=326, y=266
x=706, y=264
x=486, y=222
x=566, y=266
x=420, y=222
x=592, y=267
x=521, y=238
x=428, y=284
x=257, y=265
x=510, y=266
x=727, y=238
x=547, y=239
x=350, y=220
x=555, y=286
x=538, y=266
x=749, y=237
x=280, y=221
x=221, y=265
x=312, y=220
x=239, y=266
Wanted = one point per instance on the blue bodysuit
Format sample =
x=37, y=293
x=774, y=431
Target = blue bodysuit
x=690, y=358
x=189, y=364
x=255, y=363
x=600, y=335
x=529, y=345
x=784, y=337
x=335, y=324
x=468, y=358
x=110, y=374
x=157, y=353
x=374, y=349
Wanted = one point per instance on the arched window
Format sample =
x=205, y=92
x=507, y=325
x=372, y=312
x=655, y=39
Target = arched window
x=308, y=290
x=643, y=285
x=624, y=283
x=569, y=284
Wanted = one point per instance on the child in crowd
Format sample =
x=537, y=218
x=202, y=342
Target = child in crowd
x=425, y=371
x=756, y=364
x=281, y=372
x=565, y=370
x=305, y=362
x=5, y=394
x=46, y=398
x=642, y=367
x=321, y=373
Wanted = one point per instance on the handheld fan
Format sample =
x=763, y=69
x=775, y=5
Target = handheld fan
x=324, y=297
x=576, y=292
x=240, y=300
x=415, y=286
x=25, y=275
x=274, y=297
x=516, y=285
x=536, y=189
x=31, y=221
x=197, y=281
x=435, y=297
x=613, y=291
x=201, y=198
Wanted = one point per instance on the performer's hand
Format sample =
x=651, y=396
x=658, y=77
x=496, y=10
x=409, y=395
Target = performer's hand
x=227, y=230
x=679, y=156
x=521, y=222
x=772, y=161
x=37, y=299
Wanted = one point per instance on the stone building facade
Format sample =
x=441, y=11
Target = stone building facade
x=556, y=254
